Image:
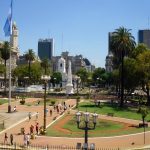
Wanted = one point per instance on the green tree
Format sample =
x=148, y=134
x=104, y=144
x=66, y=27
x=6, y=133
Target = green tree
x=131, y=74
x=56, y=78
x=144, y=112
x=140, y=48
x=144, y=69
x=83, y=74
x=98, y=75
x=115, y=80
x=21, y=72
x=30, y=56
x=2, y=69
x=122, y=44
x=5, y=54
x=45, y=64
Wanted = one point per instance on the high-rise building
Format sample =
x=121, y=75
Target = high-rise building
x=46, y=48
x=144, y=37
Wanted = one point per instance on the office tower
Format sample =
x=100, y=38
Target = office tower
x=144, y=37
x=45, y=48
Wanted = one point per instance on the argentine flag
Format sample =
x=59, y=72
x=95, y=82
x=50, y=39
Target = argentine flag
x=8, y=24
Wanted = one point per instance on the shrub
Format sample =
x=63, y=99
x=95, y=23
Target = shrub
x=22, y=102
x=53, y=102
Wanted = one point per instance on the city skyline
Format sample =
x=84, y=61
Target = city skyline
x=80, y=27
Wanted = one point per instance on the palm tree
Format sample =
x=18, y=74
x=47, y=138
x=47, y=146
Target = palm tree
x=45, y=65
x=122, y=44
x=30, y=56
x=5, y=54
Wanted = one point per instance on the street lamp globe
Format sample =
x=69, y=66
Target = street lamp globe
x=95, y=116
x=86, y=117
x=78, y=116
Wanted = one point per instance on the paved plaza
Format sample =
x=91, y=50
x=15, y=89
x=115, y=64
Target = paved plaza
x=14, y=121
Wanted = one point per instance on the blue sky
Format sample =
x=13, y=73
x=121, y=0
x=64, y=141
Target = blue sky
x=84, y=24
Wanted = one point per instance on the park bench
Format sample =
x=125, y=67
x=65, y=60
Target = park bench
x=110, y=114
x=143, y=125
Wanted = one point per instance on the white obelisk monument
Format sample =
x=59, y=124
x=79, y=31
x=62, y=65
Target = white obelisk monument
x=69, y=85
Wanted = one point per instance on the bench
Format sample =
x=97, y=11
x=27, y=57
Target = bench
x=143, y=125
x=110, y=114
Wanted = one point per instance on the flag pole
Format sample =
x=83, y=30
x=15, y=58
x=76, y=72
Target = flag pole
x=9, y=101
x=8, y=32
x=11, y=47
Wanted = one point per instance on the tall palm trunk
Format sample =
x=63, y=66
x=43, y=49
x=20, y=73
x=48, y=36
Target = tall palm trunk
x=29, y=70
x=45, y=70
x=122, y=81
x=148, y=98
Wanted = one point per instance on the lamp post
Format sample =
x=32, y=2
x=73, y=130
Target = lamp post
x=45, y=78
x=86, y=127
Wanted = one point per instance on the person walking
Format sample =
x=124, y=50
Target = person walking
x=11, y=139
x=28, y=139
x=37, y=128
x=25, y=139
x=37, y=115
x=5, y=138
x=31, y=129
x=50, y=112
x=29, y=115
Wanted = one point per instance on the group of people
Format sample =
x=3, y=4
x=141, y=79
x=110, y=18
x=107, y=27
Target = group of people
x=6, y=139
x=36, y=128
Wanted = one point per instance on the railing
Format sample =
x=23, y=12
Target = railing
x=48, y=147
x=78, y=146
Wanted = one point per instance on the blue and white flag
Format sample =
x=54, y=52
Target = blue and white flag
x=8, y=24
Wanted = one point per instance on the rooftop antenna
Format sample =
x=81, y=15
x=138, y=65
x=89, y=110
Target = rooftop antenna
x=62, y=42
x=148, y=22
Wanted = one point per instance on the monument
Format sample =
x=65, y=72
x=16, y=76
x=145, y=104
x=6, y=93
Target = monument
x=69, y=85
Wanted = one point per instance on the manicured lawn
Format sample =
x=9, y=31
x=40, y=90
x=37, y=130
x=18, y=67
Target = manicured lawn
x=130, y=113
x=103, y=128
x=2, y=101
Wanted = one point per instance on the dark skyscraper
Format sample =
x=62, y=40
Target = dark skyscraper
x=45, y=48
x=144, y=37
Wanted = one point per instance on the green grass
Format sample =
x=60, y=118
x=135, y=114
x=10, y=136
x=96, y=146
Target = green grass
x=103, y=128
x=130, y=113
x=2, y=101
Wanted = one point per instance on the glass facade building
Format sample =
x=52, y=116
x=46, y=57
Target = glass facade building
x=144, y=37
x=45, y=48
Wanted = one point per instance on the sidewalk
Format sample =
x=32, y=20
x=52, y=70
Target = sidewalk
x=17, y=120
